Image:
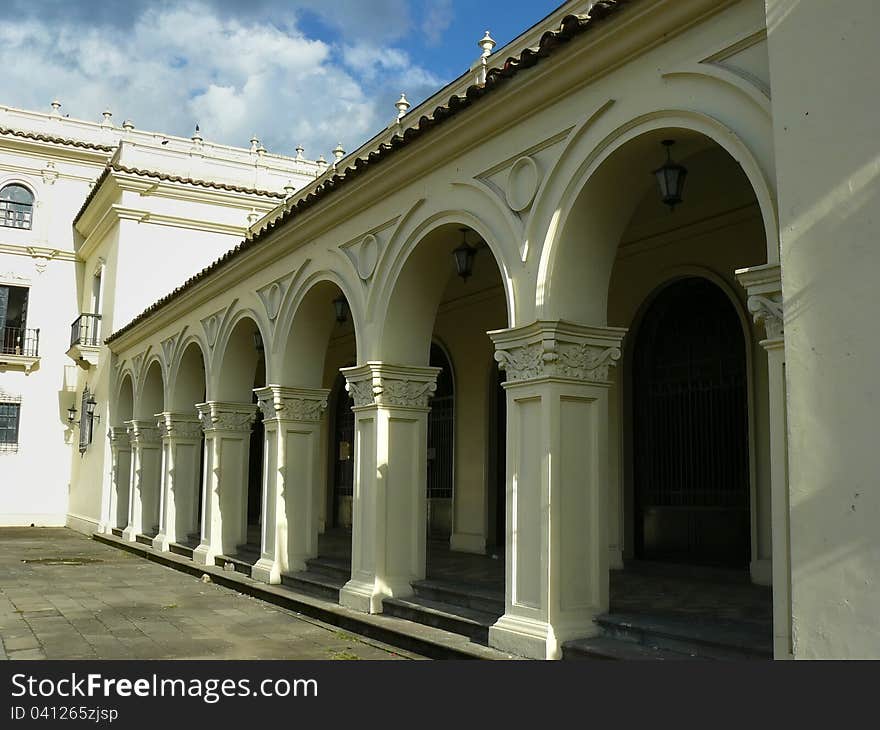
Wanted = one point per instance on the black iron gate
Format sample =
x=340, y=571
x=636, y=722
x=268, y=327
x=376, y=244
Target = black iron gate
x=691, y=429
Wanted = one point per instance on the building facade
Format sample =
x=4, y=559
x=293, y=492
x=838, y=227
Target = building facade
x=487, y=328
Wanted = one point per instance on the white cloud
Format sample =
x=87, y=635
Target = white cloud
x=175, y=65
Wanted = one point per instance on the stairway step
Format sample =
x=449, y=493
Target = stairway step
x=181, y=549
x=240, y=563
x=461, y=595
x=116, y=531
x=603, y=647
x=313, y=584
x=144, y=539
x=449, y=617
x=337, y=568
x=702, y=636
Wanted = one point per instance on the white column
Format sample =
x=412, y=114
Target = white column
x=227, y=428
x=181, y=444
x=120, y=476
x=764, y=286
x=389, y=505
x=143, y=502
x=556, y=579
x=291, y=471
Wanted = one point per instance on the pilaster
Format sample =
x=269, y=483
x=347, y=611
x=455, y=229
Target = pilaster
x=764, y=287
x=556, y=566
x=292, y=458
x=389, y=504
x=227, y=428
x=143, y=508
x=120, y=476
x=181, y=435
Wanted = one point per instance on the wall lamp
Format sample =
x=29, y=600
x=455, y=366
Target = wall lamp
x=464, y=257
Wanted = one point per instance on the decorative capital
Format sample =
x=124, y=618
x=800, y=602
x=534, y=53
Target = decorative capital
x=181, y=426
x=395, y=386
x=232, y=417
x=142, y=431
x=118, y=436
x=557, y=349
x=764, y=287
x=292, y=404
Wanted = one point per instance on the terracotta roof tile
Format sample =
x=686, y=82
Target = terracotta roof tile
x=56, y=140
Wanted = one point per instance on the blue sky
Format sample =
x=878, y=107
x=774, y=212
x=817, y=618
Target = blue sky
x=310, y=72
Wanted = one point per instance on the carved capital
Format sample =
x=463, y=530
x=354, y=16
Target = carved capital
x=764, y=287
x=292, y=404
x=181, y=426
x=142, y=432
x=231, y=417
x=768, y=311
x=393, y=386
x=557, y=349
x=118, y=437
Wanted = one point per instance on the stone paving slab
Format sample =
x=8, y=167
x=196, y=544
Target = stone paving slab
x=114, y=605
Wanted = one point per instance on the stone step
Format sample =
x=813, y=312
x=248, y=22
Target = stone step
x=241, y=562
x=313, y=584
x=701, y=636
x=461, y=595
x=456, y=619
x=336, y=568
x=181, y=549
x=144, y=539
x=116, y=531
x=603, y=647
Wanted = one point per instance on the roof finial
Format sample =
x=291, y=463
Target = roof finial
x=128, y=125
x=56, y=108
x=402, y=105
x=255, y=142
x=107, y=114
x=197, y=137
x=299, y=152
x=289, y=189
x=338, y=151
x=487, y=43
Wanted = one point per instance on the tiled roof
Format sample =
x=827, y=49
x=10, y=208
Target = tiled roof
x=56, y=140
x=570, y=27
x=115, y=167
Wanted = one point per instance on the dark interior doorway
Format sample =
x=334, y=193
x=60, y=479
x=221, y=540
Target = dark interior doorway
x=343, y=456
x=690, y=438
x=255, y=478
x=441, y=447
x=498, y=463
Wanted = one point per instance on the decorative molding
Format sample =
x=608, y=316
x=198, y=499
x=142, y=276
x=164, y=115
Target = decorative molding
x=180, y=426
x=118, y=437
x=557, y=349
x=523, y=180
x=292, y=404
x=764, y=287
x=393, y=386
x=768, y=312
x=142, y=432
x=219, y=416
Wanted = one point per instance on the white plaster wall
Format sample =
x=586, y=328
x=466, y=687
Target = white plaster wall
x=823, y=71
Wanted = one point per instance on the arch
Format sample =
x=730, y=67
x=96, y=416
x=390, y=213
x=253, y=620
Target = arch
x=302, y=342
x=414, y=284
x=123, y=404
x=240, y=367
x=188, y=378
x=151, y=396
x=590, y=216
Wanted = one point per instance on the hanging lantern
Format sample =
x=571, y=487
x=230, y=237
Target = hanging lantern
x=258, y=341
x=71, y=415
x=464, y=257
x=670, y=176
x=90, y=406
x=339, y=306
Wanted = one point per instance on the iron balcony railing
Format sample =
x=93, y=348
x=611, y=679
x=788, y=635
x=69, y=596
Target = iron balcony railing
x=86, y=330
x=20, y=341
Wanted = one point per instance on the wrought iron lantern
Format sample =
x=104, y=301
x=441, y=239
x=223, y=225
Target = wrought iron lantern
x=91, y=404
x=670, y=176
x=71, y=415
x=339, y=306
x=464, y=257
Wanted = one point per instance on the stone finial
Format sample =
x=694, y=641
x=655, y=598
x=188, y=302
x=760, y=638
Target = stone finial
x=338, y=151
x=252, y=217
x=261, y=150
x=321, y=161
x=107, y=114
x=56, y=108
x=197, y=137
x=128, y=125
x=299, y=152
x=289, y=189
x=486, y=43
x=255, y=143
x=402, y=105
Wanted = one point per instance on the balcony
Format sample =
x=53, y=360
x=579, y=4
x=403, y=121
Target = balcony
x=85, y=340
x=19, y=348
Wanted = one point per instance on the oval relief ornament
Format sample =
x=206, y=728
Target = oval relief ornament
x=368, y=256
x=273, y=300
x=522, y=183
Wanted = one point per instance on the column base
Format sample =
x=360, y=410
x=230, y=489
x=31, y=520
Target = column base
x=761, y=572
x=129, y=534
x=161, y=543
x=204, y=554
x=535, y=638
x=266, y=570
x=465, y=542
x=366, y=597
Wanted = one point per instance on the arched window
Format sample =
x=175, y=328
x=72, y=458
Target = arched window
x=16, y=206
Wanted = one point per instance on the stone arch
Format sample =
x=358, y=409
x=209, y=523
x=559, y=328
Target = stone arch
x=123, y=403
x=406, y=300
x=237, y=360
x=150, y=399
x=188, y=377
x=589, y=215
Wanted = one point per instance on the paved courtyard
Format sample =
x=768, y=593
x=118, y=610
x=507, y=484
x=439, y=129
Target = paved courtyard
x=64, y=596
